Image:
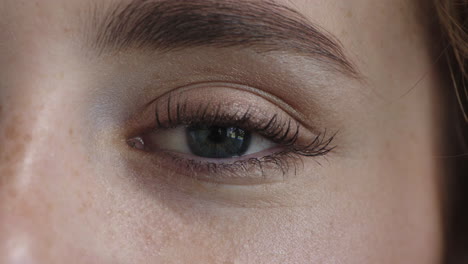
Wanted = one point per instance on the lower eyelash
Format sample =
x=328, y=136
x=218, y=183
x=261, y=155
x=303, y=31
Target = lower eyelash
x=231, y=172
x=253, y=170
x=320, y=146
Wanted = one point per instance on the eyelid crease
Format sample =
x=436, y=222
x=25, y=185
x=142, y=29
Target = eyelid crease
x=260, y=117
x=225, y=106
x=298, y=116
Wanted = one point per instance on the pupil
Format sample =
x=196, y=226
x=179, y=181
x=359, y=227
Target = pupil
x=217, y=134
x=217, y=142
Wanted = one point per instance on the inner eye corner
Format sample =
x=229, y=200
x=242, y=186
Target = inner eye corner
x=136, y=143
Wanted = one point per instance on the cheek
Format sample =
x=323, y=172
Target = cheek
x=397, y=196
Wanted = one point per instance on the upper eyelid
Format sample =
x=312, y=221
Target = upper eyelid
x=297, y=115
x=261, y=114
x=173, y=104
x=273, y=129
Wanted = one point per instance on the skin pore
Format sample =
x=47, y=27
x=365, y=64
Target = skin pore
x=72, y=190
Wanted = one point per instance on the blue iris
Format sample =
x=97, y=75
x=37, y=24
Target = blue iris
x=217, y=142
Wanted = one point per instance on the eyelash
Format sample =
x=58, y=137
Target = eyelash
x=285, y=133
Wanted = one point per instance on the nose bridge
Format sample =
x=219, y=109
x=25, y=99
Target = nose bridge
x=35, y=53
x=19, y=138
x=27, y=89
x=19, y=151
x=26, y=126
x=31, y=157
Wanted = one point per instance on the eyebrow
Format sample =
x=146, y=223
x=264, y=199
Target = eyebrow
x=264, y=26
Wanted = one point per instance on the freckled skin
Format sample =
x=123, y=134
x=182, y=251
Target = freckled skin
x=72, y=191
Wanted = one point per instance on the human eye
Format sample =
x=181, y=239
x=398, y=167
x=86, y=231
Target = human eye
x=211, y=141
x=227, y=135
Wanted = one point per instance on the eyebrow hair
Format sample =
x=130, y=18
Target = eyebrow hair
x=263, y=25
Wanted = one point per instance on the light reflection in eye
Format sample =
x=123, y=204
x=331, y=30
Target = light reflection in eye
x=217, y=142
x=210, y=141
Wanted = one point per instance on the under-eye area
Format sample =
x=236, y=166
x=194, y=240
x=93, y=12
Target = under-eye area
x=226, y=135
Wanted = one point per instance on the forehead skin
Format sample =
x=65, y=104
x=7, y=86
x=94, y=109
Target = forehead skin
x=377, y=202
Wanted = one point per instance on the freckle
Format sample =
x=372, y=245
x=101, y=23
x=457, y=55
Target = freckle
x=12, y=193
x=148, y=237
x=4, y=158
x=5, y=172
x=75, y=173
x=49, y=207
x=388, y=145
x=17, y=153
x=11, y=132
x=349, y=14
x=70, y=132
x=84, y=207
x=27, y=138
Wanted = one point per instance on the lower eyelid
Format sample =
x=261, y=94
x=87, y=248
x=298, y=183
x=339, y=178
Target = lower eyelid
x=246, y=170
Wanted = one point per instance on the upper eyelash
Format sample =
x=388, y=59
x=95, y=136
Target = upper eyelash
x=285, y=133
